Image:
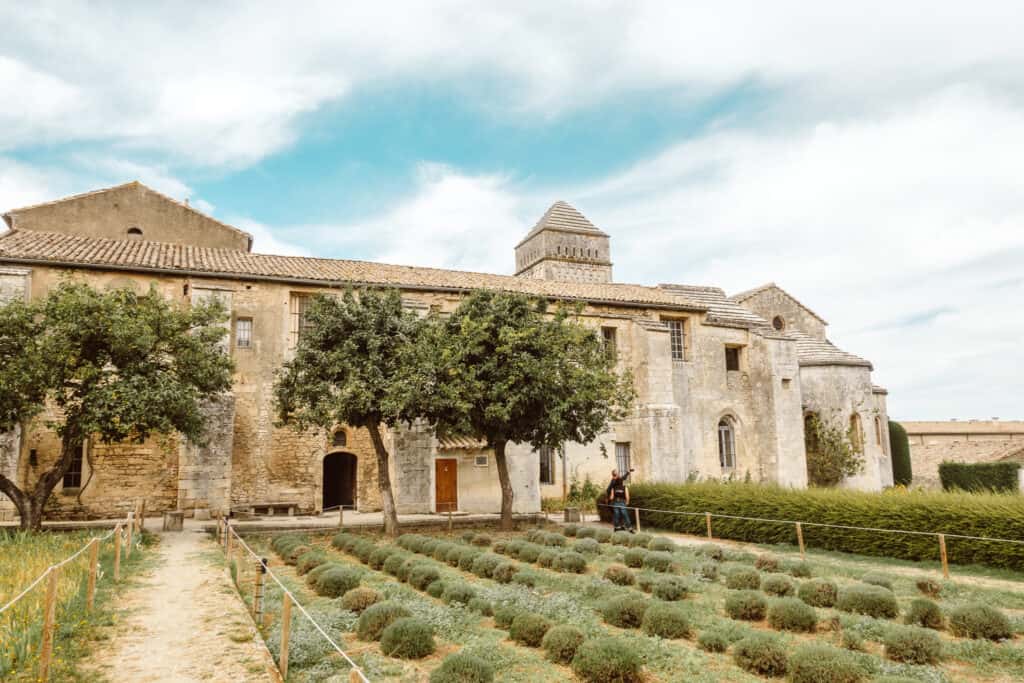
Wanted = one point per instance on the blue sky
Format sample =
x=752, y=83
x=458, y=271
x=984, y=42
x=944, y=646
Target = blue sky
x=866, y=157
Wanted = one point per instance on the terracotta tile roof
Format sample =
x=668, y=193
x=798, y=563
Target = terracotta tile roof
x=460, y=443
x=563, y=217
x=813, y=351
x=743, y=296
x=721, y=309
x=59, y=249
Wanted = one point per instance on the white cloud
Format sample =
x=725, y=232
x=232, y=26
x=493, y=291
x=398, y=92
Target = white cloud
x=264, y=240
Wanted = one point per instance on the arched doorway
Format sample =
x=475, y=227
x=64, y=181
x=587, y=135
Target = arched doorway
x=339, y=480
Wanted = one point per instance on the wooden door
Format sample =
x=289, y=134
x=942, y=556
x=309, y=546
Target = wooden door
x=446, y=481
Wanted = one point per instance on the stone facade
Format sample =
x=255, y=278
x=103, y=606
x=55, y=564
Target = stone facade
x=932, y=443
x=721, y=391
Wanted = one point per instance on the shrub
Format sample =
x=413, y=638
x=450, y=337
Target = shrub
x=998, y=477
x=777, y=584
x=462, y=668
x=666, y=621
x=912, y=645
x=376, y=618
x=852, y=641
x=561, y=642
x=481, y=540
x=873, y=601
x=546, y=558
x=876, y=579
x=315, y=572
x=467, y=558
x=363, y=549
x=423, y=575
x=606, y=660
x=529, y=629
x=310, y=560
x=467, y=536
x=645, y=581
x=292, y=553
x=408, y=638
x=359, y=598
x=571, y=563
x=624, y=611
x=601, y=535
x=480, y=606
x=983, y=514
x=513, y=548
x=570, y=529
x=394, y=561
x=529, y=552
x=662, y=544
x=411, y=542
x=621, y=538
x=554, y=540
x=635, y=557
x=818, y=593
x=504, y=616
x=712, y=551
x=435, y=589
x=525, y=578
x=500, y=547
x=619, y=575
x=440, y=553
x=336, y=581
x=484, y=565
x=504, y=572
x=760, y=653
x=817, y=662
x=586, y=545
x=708, y=571
x=713, y=641
x=747, y=605
x=283, y=542
x=979, y=621
x=670, y=588
x=454, y=553
x=658, y=561
x=406, y=568
x=929, y=587
x=925, y=613
x=459, y=593
x=766, y=563
x=899, y=446
x=743, y=578
x=379, y=556
x=798, y=569
x=639, y=540
x=586, y=532
x=790, y=614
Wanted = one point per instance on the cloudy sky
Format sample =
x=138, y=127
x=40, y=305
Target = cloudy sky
x=868, y=157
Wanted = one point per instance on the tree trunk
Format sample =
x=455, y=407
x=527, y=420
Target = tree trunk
x=18, y=497
x=384, y=481
x=30, y=505
x=506, y=485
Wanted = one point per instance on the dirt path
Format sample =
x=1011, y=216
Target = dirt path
x=184, y=622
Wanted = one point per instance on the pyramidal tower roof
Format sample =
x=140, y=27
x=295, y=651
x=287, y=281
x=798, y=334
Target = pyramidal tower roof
x=564, y=217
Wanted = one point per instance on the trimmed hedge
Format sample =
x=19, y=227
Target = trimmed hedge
x=408, y=638
x=561, y=642
x=529, y=629
x=666, y=620
x=899, y=446
x=979, y=476
x=607, y=660
x=760, y=653
x=977, y=620
x=463, y=668
x=972, y=514
x=818, y=663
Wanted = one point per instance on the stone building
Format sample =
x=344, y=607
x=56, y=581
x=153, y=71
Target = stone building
x=975, y=441
x=724, y=384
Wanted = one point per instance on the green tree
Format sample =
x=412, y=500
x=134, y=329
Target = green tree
x=511, y=371
x=899, y=446
x=352, y=365
x=830, y=454
x=113, y=365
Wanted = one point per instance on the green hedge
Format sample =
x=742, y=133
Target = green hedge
x=899, y=446
x=980, y=476
x=971, y=514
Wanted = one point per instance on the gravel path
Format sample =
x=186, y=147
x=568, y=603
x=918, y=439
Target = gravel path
x=183, y=622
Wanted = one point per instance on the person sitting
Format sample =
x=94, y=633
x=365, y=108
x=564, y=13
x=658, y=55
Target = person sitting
x=618, y=497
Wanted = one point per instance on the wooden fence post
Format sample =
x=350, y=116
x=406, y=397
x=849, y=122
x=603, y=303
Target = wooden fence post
x=942, y=555
x=142, y=515
x=637, y=511
x=286, y=629
x=131, y=532
x=227, y=543
x=449, y=522
x=354, y=677
x=341, y=516
x=49, y=616
x=94, y=558
x=707, y=518
x=800, y=538
x=117, y=553
x=257, y=590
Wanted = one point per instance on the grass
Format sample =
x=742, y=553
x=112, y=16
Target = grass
x=23, y=557
x=575, y=600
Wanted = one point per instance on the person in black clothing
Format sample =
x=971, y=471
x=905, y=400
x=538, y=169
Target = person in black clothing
x=617, y=494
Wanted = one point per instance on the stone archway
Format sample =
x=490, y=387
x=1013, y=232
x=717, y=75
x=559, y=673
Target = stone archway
x=340, y=478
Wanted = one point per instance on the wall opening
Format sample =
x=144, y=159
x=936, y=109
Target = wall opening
x=339, y=480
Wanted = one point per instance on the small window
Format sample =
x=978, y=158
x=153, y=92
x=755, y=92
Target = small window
x=243, y=333
x=340, y=439
x=480, y=460
x=778, y=323
x=878, y=431
x=547, y=465
x=610, y=348
x=134, y=233
x=732, y=358
x=73, y=477
x=623, y=458
x=299, y=324
x=726, y=444
x=677, y=338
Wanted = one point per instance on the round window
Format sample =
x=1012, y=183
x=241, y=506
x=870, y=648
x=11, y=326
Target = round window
x=778, y=323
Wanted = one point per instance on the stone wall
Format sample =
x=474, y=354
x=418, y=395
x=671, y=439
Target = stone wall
x=14, y=284
x=932, y=443
x=773, y=301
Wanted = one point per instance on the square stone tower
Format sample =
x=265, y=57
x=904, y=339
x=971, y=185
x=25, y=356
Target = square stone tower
x=566, y=247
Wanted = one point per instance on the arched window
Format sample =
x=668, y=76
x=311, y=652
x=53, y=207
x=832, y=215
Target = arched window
x=340, y=439
x=134, y=233
x=856, y=433
x=726, y=444
x=878, y=431
x=779, y=323
x=811, y=433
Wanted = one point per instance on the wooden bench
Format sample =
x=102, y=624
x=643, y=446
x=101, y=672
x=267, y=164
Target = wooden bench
x=271, y=509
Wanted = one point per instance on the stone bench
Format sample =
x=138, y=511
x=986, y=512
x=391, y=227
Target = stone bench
x=271, y=509
x=174, y=520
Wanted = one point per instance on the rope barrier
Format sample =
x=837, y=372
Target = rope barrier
x=291, y=596
x=821, y=524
